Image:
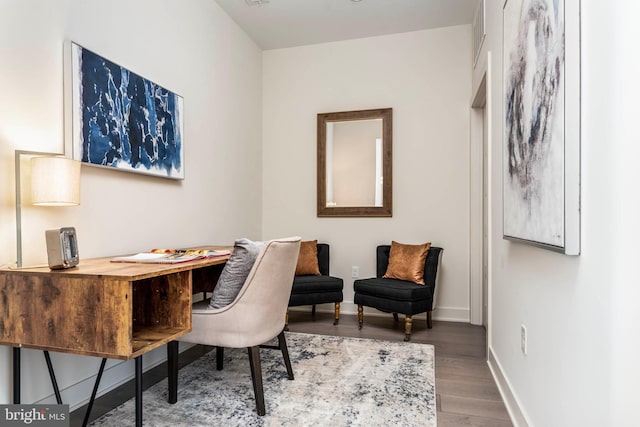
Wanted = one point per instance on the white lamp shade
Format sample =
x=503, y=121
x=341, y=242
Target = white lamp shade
x=55, y=181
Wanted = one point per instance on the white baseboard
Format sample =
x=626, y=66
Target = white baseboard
x=449, y=314
x=452, y=314
x=511, y=401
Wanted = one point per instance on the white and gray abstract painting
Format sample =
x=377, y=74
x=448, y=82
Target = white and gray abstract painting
x=534, y=121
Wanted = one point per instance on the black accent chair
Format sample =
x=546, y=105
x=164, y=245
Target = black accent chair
x=312, y=290
x=398, y=296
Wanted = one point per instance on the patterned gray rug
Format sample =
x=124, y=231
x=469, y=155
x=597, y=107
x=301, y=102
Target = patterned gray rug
x=338, y=382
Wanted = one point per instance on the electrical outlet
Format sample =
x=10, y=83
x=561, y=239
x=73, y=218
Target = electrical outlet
x=523, y=339
x=355, y=272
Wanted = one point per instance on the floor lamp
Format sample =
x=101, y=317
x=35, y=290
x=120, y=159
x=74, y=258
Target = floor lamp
x=55, y=181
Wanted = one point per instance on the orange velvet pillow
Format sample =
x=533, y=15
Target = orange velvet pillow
x=308, y=259
x=406, y=262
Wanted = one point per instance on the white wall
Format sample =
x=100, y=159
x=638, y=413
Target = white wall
x=424, y=76
x=580, y=312
x=192, y=48
x=625, y=316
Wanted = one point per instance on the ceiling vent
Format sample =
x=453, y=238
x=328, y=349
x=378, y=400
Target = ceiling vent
x=256, y=2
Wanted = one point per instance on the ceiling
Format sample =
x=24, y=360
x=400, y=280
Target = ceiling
x=286, y=23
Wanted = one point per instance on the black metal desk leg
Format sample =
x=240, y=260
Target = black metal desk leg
x=93, y=393
x=16, y=375
x=138, y=391
x=172, y=375
x=52, y=375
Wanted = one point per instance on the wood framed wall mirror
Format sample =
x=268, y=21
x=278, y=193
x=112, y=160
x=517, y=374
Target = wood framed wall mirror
x=354, y=163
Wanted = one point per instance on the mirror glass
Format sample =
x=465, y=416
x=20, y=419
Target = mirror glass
x=354, y=163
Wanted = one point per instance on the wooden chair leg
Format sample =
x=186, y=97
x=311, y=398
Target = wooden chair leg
x=408, y=322
x=313, y=310
x=286, y=320
x=395, y=317
x=360, y=316
x=429, y=320
x=336, y=311
x=282, y=343
x=256, y=378
x=219, y=357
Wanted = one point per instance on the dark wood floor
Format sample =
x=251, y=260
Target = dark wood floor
x=466, y=392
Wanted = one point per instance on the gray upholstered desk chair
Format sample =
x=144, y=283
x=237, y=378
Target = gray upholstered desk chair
x=257, y=313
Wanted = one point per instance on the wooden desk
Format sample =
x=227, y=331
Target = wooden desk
x=100, y=308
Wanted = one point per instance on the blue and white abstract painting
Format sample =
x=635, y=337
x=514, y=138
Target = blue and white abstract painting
x=534, y=121
x=123, y=120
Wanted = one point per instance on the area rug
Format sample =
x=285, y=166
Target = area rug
x=338, y=382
